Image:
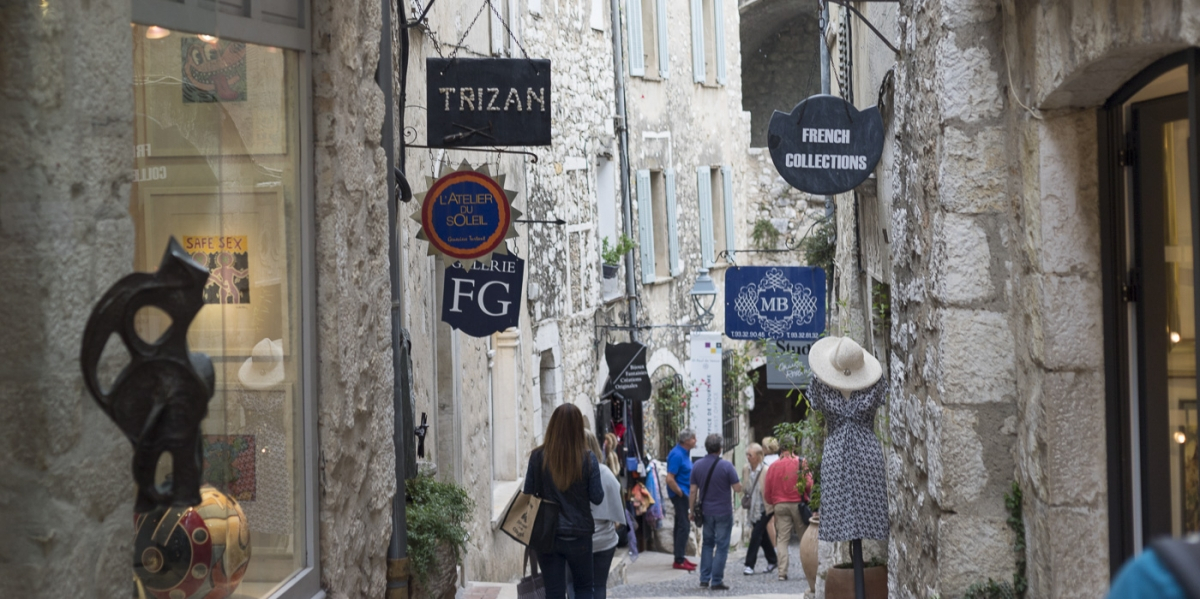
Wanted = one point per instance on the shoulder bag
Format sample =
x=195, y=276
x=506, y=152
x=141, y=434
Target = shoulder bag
x=697, y=509
x=532, y=520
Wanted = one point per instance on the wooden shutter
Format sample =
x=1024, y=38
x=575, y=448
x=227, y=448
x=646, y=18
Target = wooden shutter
x=664, y=60
x=672, y=224
x=637, y=46
x=698, y=67
x=719, y=22
x=646, y=225
x=727, y=197
x=704, y=196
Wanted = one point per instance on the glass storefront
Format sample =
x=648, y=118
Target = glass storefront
x=218, y=155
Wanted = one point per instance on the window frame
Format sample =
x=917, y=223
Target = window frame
x=190, y=17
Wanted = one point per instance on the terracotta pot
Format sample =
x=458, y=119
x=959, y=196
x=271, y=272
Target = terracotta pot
x=808, y=552
x=839, y=583
x=441, y=581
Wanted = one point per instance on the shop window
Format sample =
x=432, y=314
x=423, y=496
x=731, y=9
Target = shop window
x=218, y=161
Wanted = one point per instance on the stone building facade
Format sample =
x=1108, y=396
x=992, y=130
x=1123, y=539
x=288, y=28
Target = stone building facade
x=1012, y=358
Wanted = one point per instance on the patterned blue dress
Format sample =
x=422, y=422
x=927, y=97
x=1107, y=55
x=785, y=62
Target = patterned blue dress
x=853, y=479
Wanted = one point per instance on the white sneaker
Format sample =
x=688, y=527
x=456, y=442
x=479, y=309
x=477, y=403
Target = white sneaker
x=769, y=568
x=748, y=571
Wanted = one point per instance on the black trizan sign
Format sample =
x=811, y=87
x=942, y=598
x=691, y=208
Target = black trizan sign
x=488, y=102
x=485, y=299
x=826, y=145
x=627, y=375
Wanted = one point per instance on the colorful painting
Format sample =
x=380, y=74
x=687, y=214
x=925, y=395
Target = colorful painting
x=229, y=464
x=213, y=70
x=228, y=261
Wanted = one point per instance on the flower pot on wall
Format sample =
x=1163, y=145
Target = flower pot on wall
x=808, y=552
x=839, y=582
x=610, y=271
x=441, y=581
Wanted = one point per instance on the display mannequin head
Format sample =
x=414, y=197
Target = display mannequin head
x=842, y=363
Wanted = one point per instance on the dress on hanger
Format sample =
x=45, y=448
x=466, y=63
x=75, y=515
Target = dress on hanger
x=853, y=479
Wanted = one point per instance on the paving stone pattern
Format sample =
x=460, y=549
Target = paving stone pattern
x=740, y=584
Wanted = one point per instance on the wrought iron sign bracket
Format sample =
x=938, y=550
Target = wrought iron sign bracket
x=532, y=157
x=862, y=18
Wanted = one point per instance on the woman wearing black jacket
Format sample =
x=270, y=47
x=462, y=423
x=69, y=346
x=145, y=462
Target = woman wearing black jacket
x=562, y=470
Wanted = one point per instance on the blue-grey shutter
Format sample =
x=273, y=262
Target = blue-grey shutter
x=664, y=59
x=727, y=196
x=698, y=41
x=672, y=224
x=719, y=21
x=704, y=196
x=637, y=46
x=646, y=225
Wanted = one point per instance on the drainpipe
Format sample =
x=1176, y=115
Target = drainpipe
x=397, y=555
x=623, y=149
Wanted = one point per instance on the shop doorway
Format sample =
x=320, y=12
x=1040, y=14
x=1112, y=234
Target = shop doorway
x=1149, y=206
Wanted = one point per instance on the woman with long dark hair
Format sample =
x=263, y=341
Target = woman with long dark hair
x=564, y=471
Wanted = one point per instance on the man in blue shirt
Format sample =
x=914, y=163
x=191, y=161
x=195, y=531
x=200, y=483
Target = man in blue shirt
x=679, y=476
x=713, y=484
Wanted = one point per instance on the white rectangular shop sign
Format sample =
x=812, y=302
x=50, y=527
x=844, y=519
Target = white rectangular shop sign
x=705, y=409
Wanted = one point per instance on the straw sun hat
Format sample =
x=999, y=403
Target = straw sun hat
x=264, y=367
x=842, y=364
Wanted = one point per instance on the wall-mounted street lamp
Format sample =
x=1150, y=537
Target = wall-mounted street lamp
x=704, y=296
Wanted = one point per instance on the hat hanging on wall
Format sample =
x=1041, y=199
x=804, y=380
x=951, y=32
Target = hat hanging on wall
x=264, y=367
x=843, y=364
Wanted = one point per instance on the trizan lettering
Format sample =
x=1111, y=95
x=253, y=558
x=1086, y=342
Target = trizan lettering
x=825, y=161
x=483, y=99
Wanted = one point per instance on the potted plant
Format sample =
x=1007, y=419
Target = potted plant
x=436, y=514
x=611, y=255
x=839, y=582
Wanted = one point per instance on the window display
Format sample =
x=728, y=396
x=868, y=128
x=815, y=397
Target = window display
x=217, y=148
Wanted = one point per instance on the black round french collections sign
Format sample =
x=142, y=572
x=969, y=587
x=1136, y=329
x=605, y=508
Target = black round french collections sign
x=825, y=146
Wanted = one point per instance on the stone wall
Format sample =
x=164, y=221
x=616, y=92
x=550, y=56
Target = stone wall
x=780, y=72
x=998, y=368
x=353, y=300
x=66, y=236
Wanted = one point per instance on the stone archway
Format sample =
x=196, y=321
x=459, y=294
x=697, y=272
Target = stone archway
x=780, y=51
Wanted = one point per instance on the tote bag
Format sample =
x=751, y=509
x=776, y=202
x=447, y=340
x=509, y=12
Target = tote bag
x=531, y=586
x=532, y=520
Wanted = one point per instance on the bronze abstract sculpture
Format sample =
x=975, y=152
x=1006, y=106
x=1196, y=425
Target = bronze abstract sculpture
x=159, y=399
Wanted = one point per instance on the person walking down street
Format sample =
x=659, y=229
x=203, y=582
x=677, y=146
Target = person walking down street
x=713, y=483
x=679, y=476
x=779, y=490
x=770, y=455
x=607, y=515
x=756, y=510
x=565, y=471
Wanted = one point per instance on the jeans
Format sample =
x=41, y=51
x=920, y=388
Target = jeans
x=601, y=562
x=574, y=554
x=716, y=535
x=759, y=538
x=682, y=526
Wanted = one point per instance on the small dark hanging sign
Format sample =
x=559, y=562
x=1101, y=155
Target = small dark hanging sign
x=488, y=102
x=825, y=146
x=627, y=375
x=485, y=299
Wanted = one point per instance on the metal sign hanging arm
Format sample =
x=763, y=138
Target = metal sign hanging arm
x=862, y=18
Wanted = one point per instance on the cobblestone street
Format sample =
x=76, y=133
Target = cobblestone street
x=651, y=576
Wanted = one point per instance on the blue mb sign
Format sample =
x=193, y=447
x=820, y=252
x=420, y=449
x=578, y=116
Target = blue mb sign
x=785, y=303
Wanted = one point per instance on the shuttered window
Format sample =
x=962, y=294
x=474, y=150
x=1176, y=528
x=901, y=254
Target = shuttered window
x=636, y=46
x=672, y=225
x=698, y=67
x=727, y=199
x=719, y=21
x=645, y=225
x=663, y=55
x=704, y=196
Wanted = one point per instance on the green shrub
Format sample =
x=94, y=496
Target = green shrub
x=612, y=255
x=764, y=236
x=435, y=512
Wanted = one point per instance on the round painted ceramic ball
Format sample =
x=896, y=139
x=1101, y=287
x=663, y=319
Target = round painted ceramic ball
x=196, y=552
